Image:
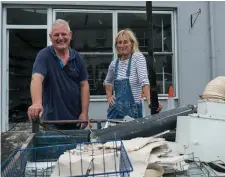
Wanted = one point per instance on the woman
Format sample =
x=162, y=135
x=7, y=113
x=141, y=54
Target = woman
x=128, y=77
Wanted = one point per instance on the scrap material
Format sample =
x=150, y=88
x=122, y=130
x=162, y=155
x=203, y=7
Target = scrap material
x=143, y=153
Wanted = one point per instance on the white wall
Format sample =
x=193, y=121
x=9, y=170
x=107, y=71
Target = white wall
x=193, y=52
x=219, y=24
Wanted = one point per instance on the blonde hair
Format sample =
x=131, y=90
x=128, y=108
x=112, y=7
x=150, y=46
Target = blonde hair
x=130, y=34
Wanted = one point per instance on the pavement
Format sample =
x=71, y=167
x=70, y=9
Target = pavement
x=18, y=137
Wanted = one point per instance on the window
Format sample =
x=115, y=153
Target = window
x=162, y=36
x=97, y=66
x=24, y=44
x=93, y=37
x=24, y=34
x=20, y=16
x=163, y=69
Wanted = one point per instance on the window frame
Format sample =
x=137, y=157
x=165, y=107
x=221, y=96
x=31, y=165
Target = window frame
x=28, y=7
x=90, y=11
x=50, y=18
x=51, y=15
x=115, y=30
x=172, y=53
x=5, y=62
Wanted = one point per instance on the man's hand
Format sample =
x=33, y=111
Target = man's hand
x=83, y=116
x=34, y=110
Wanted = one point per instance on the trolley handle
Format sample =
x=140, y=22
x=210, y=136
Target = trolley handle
x=40, y=121
x=81, y=121
x=35, y=125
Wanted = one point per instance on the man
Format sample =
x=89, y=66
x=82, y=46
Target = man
x=59, y=86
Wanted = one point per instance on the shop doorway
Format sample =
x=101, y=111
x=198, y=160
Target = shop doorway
x=23, y=46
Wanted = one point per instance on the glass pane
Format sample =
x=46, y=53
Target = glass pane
x=92, y=32
x=164, y=72
x=138, y=23
x=18, y=16
x=97, y=66
x=24, y=44
x=167, y=33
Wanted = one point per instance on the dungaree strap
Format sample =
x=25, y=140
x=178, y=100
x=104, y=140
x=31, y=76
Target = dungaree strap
x=128, y=68
x=116, y=69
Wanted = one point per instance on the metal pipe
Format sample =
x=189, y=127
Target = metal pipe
x=35, y=125
x=212, y=41
x=144, y=127
x=151, y=69
x=164, y=84
x=1, y=68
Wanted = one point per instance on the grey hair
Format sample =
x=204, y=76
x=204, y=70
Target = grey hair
x=60, y=22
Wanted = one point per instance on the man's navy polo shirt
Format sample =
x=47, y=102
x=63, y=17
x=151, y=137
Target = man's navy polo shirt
x=61, y=86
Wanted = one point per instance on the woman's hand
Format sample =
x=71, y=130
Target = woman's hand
x=160, y=107
x=110, y=100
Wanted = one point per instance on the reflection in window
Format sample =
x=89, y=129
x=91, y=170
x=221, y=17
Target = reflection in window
x=24, y=44
x=163, y=32
x=138, y=23
x=97, y=66
x=19, y=16
x=92, y=32
x=164, y=72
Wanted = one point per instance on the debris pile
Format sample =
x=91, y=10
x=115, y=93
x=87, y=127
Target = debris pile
x=148, y=156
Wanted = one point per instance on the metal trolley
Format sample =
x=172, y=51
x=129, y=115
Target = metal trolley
x=42, y=161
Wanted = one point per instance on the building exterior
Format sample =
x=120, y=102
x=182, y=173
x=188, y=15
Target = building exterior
x=188, y=45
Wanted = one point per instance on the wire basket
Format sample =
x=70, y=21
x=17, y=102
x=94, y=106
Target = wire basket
x=86, y=159
x=194, y=167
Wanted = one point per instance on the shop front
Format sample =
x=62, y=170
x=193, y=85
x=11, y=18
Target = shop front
x=25, y=31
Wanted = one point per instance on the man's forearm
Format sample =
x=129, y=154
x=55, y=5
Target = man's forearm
x=36, y=91
x=108, y=90
x=85, y=97
x=146, y=90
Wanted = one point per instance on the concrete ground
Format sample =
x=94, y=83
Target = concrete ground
x=18, y=137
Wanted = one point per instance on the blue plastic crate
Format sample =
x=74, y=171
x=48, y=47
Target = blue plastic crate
x=51, y=138
x=42, y=161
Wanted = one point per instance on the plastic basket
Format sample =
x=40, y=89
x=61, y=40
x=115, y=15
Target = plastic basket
x=82, y=159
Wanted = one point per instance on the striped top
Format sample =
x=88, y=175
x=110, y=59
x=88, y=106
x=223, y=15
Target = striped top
x=138, y=74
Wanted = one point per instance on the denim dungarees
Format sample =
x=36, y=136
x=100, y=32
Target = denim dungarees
x=124, y=100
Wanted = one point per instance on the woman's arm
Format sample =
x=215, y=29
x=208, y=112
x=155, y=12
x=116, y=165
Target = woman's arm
x=108, y=83
x=146, y=89
x=142, y=73
x=108, y=90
